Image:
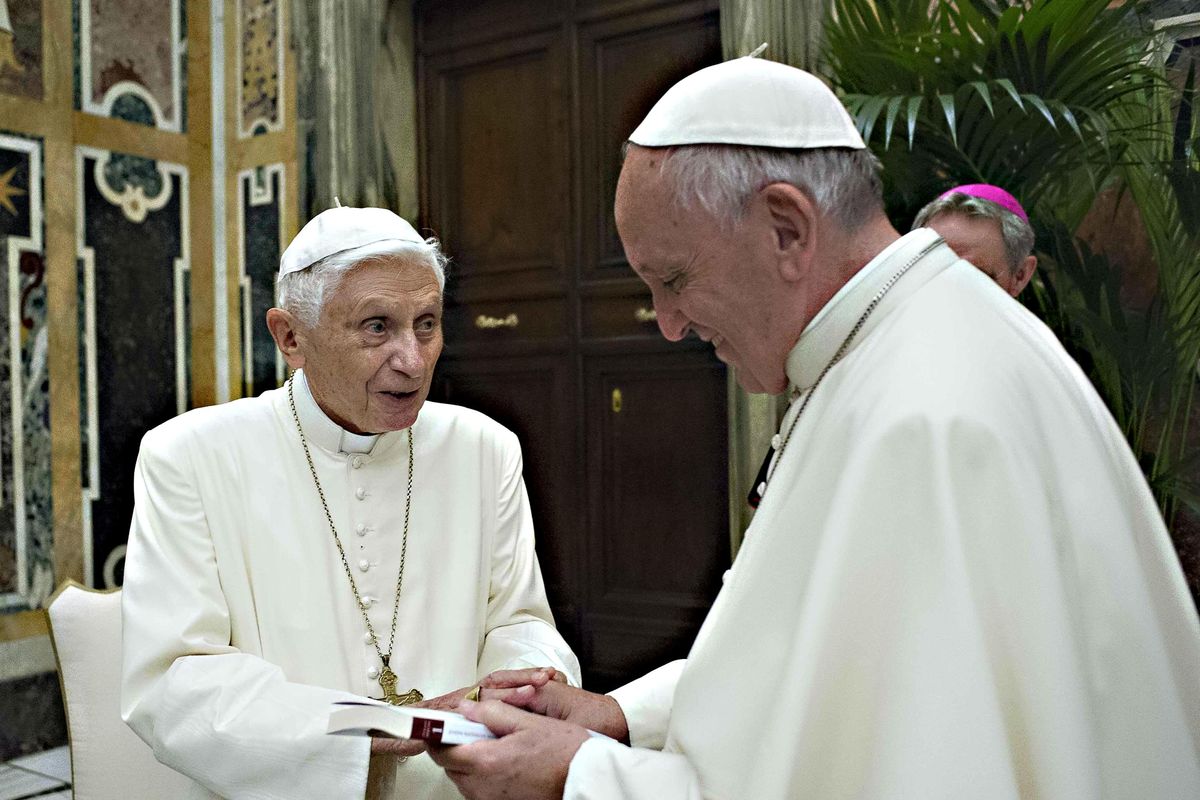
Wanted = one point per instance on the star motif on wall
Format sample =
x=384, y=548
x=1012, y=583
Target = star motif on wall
x=8, y=191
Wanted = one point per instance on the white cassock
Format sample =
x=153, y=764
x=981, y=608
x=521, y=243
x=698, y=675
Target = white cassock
x=240, y=625
x=958, y=584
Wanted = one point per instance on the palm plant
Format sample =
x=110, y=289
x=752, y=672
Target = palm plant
x=1055, y=100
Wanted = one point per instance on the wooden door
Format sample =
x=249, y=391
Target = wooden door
x=524, y=107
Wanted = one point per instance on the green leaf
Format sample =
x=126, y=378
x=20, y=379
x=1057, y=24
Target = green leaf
x=893, y=110
x=982, y=90
x=947, y=101
x=1041, y=106
x=868, y=114
x=912, y=112
x=1066, y=114
x=1007, y=85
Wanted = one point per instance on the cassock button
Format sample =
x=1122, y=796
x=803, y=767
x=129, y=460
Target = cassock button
x=364, y=565
x=369, y=639
x=775, y=441
x=367, y=602
x=360, y=493
x=372, y=672
x=356, y=462
x=361, y=529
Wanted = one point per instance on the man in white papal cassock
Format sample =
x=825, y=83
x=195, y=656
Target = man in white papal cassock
x=957, y=584
x=334, y=538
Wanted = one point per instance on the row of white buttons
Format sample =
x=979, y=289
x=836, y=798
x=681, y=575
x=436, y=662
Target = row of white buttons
x=364, y=564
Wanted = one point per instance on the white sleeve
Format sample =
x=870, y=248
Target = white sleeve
x=646, y=703
x=606, y=770
x=227, y=719
x=521, y=632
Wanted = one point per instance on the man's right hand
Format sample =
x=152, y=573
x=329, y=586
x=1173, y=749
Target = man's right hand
x=556, y=699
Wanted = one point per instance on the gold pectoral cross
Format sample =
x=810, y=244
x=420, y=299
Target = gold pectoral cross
x=387, y=682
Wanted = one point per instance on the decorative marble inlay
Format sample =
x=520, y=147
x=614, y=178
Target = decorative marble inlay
x=132, y=239
x=26, y=520
x=135, y=76
x=261, y=202
x=21, y=48
x=138, y=185
x=260, y=65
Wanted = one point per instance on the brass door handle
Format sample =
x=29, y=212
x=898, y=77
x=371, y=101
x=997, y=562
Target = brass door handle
x=644, y=314
x=485, y=322
x=616, y=401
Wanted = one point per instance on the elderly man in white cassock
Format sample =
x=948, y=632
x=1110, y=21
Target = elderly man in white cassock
x=957, y=584
x=336, y=538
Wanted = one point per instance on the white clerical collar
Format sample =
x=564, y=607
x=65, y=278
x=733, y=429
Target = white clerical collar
x=826, y=331
x=324, y=432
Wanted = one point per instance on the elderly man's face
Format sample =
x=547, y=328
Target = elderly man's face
x=978, y=240
x=369, y=361
x=703, y=279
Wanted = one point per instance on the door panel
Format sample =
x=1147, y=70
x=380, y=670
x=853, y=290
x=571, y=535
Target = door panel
x=496, y=119
x=530, y=397
x=523, y=110
x=658, y=532
x=625, y=65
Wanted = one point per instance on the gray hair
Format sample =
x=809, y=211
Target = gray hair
x=303, y=293
x=1016, y=232
x=844, y=183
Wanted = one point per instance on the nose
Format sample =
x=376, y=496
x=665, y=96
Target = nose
x=407, y=356
x=671, y=322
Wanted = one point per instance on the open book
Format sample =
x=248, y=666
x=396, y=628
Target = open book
x=368, y=718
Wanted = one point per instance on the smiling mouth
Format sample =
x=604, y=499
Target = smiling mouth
x=400, y=395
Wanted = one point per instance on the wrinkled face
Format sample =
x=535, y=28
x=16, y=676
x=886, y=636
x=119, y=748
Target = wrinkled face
x=978, y=240
x=703, y=279
x=369, y=361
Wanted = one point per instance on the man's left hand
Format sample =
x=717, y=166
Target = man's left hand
x=529, y=761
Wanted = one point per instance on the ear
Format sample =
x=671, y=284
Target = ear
x=1024, y=273
x=288, y=335
x=792, y=216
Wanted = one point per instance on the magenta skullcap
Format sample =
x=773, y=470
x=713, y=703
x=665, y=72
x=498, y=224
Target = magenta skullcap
x=985, y=191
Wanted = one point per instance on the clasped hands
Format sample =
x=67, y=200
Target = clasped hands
x=541, y=722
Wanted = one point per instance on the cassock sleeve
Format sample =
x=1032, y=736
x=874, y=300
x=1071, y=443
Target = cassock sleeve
x=520, y=628
x=646, y=704
x=229, y=720
x=607, y=770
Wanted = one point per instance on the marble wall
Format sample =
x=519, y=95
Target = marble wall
x=26, y=520
x=139, y=291
x=134, y=341
x=21, y=48
x=263, y=217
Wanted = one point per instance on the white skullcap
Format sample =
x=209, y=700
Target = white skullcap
x=343, y=228
x=749, y=101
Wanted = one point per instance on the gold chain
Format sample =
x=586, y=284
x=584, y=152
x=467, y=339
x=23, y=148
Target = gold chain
x=841, y=351
x=384, y=657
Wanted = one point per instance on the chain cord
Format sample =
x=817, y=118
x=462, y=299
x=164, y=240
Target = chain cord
x=384, y=657
x=841, y=351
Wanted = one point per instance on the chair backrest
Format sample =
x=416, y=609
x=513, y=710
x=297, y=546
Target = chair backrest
x=108, y=760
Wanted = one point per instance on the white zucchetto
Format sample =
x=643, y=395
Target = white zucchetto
x=753, y=102
x=343, y=228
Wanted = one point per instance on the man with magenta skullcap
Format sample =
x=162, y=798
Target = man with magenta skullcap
x=337, y=538
x=988, y=227
x=957, y=583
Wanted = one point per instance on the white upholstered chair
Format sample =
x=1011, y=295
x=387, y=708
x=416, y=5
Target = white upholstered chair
x=108, y=760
